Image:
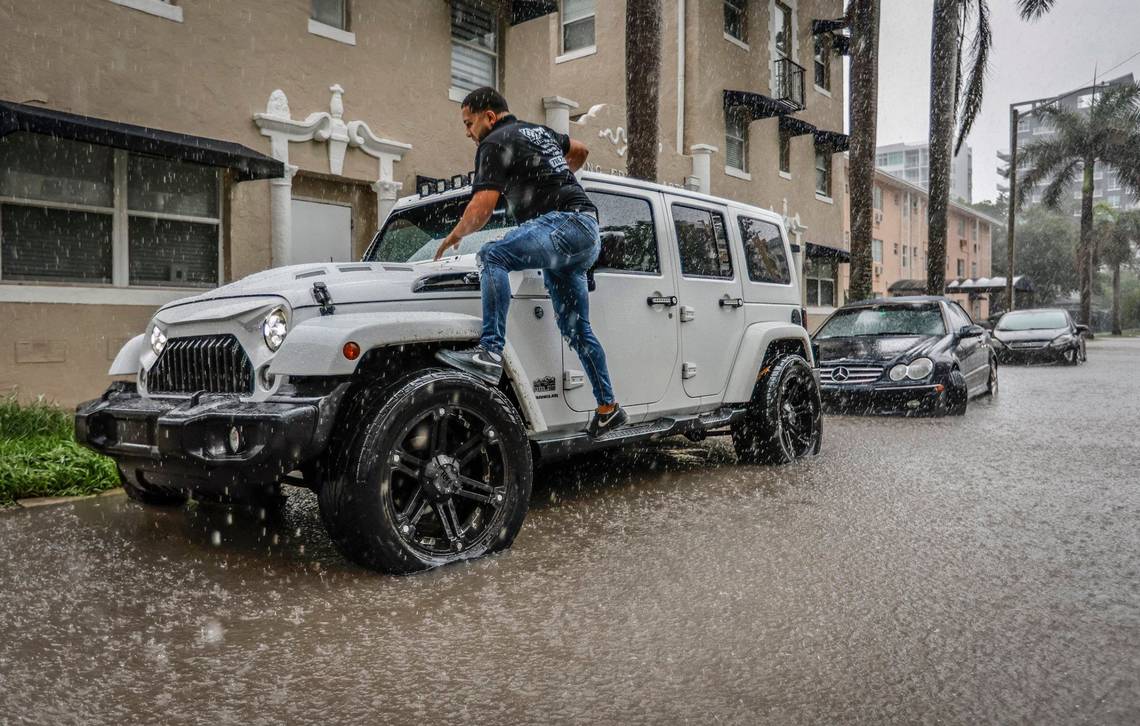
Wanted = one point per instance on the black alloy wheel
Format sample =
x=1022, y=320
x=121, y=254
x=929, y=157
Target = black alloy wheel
x=440, y=472
x=784, y=421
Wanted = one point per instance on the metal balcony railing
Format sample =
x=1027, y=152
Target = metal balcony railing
x=789, y=83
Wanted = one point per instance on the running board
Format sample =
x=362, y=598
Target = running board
x=580, y=442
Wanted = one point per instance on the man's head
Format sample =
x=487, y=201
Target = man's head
x=481, y=109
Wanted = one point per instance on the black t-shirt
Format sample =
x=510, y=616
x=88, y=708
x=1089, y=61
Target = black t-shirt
x=527, y=164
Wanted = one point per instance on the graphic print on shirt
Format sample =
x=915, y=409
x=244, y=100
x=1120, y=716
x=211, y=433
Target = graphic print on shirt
x=548, y=146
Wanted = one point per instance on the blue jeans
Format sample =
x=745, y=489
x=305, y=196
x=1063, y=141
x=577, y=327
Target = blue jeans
x=563, y=245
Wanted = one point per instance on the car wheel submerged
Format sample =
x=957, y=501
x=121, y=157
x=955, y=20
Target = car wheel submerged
x=992, y=383
x=957, y=395
x=783, y=421
x=439, y=472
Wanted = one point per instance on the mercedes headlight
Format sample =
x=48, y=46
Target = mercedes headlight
x=157, y=340
x=898, y=372
x=1063, y=339
x=274, y=328
x=919, y=368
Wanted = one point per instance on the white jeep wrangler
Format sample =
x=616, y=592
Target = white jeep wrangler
x=329, y=370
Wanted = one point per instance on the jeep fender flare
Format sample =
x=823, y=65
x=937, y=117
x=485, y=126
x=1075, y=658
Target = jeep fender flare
x=757, y=338
x=127, y=361
x=314, y=347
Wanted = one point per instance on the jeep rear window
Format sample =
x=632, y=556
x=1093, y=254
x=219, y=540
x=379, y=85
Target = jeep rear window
x=414, y=233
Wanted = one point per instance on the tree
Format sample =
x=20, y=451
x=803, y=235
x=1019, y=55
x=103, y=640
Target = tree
x=642, y=73
x=1108, y=133
x=1116, y=235
x=863, y=19
x=1046, y=253
x=948, y=107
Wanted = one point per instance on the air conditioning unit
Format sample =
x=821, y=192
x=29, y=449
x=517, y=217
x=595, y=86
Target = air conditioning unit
x=878, y=217
x=878, y=270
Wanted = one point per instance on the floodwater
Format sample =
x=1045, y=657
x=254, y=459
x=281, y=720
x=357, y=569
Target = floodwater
x=981, y=569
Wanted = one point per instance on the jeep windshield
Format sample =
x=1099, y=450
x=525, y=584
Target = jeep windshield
x=923, y=319
x=413, y=234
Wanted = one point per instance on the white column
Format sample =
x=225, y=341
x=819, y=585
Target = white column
x=558, y=112
x=281, y=216
x=387, y=192
x=702, y=165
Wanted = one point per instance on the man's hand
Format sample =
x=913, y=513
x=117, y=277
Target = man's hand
x=576, y=157
x=476, y=214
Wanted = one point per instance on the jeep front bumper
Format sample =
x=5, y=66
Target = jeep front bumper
x=209, y=441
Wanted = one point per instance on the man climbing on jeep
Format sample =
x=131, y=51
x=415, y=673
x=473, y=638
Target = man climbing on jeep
x=533, y=167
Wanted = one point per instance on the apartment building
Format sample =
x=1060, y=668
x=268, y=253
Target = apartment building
x=912, y=163
x=150, y=149
x=901, y=239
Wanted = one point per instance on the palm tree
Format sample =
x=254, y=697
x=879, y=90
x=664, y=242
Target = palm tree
x=1116, y=234
x=642, y=72
x=948, y=106
x=863, y=19
x=1108, y=133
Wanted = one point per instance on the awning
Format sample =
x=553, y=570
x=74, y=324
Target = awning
x=246, y=163
x=757, y=105
x=524, y=10
x=826, y=252
x=832, y=140
x=1021, y=283
x=908, y=286
x=795, y=127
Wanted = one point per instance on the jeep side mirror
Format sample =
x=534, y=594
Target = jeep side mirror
x=971, y=331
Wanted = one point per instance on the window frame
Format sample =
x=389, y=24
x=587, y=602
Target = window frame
x=712, y=210
x=785, y=153
x=660, y=273
x=740, y=117
x=120, y=213
x=161, y=8
x=821, y=57
x=825, y=154
x=455, y=93
x=564, y=54
x=811, y=275
x=877, y=244
x=741, y=8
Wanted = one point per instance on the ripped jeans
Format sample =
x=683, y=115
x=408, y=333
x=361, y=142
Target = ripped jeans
x=563, y=245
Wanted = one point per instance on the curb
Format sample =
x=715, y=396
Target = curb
x=34, y=502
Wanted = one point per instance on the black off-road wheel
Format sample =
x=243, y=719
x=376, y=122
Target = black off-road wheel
x=784, y=420
x=439, y=470
x=956, y=397
x=138, y=489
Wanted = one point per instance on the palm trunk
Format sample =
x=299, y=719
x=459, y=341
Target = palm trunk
x=1116, y=300
x=1084, y=248
x=642, y=72
x=944, y=51
x=864, y=104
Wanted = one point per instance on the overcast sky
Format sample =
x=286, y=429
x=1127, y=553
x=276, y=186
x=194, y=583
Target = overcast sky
x=1029, y=60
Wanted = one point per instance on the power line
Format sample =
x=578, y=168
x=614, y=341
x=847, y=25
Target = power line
x=1110, y=70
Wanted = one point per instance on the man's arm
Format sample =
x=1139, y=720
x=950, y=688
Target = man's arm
x=576, y=157
x=476, y=214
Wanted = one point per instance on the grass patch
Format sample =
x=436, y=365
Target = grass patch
x=39, y=456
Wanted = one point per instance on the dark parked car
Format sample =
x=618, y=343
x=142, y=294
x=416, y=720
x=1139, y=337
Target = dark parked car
x=903, y=354
x=1046, y=335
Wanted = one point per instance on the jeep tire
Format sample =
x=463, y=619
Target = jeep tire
x=437, y=470
x=783, y=421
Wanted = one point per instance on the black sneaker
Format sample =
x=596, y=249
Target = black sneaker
x=604, y=423
x=477, y=361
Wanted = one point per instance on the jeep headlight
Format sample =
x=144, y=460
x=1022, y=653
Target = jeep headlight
x=274, y=328
x=157, y=339
x=919, y=368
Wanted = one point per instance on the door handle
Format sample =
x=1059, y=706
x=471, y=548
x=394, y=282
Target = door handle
x=666, y=300
x=731, y=302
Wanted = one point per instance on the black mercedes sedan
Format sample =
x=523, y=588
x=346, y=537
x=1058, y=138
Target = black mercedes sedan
x=1043, y=335
x=908, y=355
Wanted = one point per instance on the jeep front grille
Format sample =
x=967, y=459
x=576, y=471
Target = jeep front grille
x=210, y=363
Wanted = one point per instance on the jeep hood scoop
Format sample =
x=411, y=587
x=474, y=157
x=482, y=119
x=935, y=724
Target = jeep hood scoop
x=346, y=282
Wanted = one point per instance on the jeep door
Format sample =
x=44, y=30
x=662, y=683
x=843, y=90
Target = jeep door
x=632, y=306
x=711, y=311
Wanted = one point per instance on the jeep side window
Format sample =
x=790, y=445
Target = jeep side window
x=629, y=239
x=703, y=241
x=764, y=251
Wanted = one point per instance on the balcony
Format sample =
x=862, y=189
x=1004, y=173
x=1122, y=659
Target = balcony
x=789, y=77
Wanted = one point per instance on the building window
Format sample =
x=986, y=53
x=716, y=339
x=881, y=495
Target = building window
x=578, y=21
x=736, y=139
x=961, y=227
x=72, y=212
x=961, y=268
x=905, y=258
x=736, y=19
x=974, y=231
x=877, y=250
x=973, y=269
x=819, y=276
x=782, y=30
x=877, y=195
x=333, y=13
x=823, y=172
x=823, y=62
x=785, y=151
x=474, y=48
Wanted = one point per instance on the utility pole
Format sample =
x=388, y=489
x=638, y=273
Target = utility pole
x=1009, y=233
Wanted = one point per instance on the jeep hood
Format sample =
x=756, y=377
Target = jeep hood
x=346, y=282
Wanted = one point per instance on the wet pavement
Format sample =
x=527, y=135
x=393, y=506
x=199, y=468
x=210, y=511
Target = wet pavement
x=977, y=569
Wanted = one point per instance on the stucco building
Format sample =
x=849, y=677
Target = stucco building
x=153, y=148
x=900, y=242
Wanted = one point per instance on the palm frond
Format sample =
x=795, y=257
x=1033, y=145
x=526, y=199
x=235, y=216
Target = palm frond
x=979, y=58
x=1044, y=159
x=1034, y=9
x=1059, y=186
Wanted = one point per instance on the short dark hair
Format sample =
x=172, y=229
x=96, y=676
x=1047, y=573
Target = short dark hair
x=485, y=99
